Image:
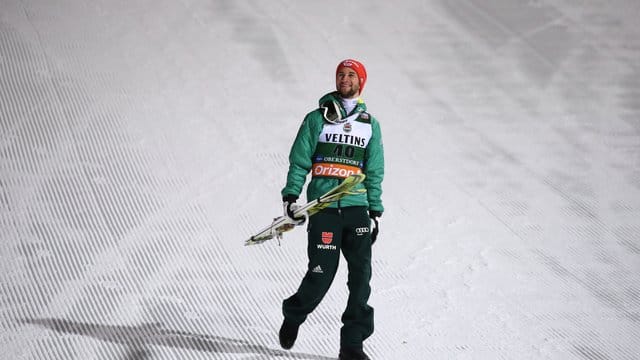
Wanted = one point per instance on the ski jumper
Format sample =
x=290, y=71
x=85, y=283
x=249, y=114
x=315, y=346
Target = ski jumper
x=332, y=144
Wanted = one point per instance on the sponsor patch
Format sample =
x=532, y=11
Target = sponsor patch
x=327, y=237
x=334, y=170
x=337, y=138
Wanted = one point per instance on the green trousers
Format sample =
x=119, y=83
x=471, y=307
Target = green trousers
x=331, y=231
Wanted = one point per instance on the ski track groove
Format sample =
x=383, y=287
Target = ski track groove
x=580, y=209
x=40, y=137
x=260, y=314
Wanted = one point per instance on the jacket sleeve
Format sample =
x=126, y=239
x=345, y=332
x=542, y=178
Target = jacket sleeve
x=374, y=168
x=300, y=157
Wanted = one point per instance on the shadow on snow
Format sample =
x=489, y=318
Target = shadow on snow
x=139, y=338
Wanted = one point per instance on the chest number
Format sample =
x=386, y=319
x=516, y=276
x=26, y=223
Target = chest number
x=344, y=150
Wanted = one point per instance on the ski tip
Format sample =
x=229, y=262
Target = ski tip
x=251, y=241
x=256, y=240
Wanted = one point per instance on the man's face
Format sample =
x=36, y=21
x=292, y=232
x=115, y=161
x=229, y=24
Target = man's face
x=347, y=83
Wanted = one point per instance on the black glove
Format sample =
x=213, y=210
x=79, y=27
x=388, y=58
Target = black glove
x=375, y=217
x=289, y=205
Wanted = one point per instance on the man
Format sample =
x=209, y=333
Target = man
x=340, y=135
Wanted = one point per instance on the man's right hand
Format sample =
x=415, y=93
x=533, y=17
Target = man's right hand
x=289, y=205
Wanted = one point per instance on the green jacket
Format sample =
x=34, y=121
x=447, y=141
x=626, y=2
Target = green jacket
x=306, y=145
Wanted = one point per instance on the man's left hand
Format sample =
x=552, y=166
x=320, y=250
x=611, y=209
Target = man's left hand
x=375, y=230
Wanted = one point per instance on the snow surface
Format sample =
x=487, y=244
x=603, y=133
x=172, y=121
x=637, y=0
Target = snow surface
x=143, y=141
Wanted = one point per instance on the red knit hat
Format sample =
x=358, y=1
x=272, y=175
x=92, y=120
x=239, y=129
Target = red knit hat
x=357, y=67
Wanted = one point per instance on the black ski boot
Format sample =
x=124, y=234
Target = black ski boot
x=352, y=353
x=288, y=334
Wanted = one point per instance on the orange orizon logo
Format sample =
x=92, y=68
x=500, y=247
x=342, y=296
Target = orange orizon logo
x=334, y=170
